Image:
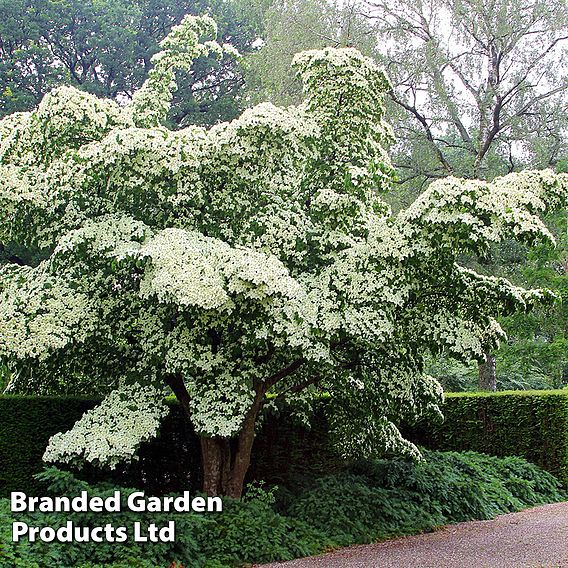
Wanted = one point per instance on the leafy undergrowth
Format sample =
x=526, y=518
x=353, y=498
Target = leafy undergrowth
x=370, y=501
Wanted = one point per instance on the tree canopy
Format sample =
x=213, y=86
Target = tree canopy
x=481, y=83
x=104, y=47
x=251, y=261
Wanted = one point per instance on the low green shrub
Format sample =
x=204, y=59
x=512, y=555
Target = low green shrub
x=369, y=501
x=348, y=509
x=374, y=500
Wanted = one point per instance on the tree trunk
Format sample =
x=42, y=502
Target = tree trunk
x=216, y=464
x=225, y=462
x=487, y=373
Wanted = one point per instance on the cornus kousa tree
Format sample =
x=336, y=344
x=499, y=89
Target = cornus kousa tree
x=242, y=264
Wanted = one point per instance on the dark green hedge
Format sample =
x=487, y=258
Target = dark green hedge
x=531, y=424
x=168, y=464
x=26, y=423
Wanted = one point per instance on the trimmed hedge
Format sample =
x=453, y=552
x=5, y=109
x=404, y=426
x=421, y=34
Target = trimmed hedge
x=531, y=424
x=26, y=423
x=170, y=463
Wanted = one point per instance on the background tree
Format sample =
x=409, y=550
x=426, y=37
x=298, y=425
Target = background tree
x=105, y=46
x=255, y=258
x=484, y=83
x=291, y=26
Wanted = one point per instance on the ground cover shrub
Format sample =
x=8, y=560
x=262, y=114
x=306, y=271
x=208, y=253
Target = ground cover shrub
x=348, y=510
x=367, y=501
x=377, y=499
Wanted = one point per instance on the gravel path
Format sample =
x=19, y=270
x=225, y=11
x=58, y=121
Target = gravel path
x=535, y=538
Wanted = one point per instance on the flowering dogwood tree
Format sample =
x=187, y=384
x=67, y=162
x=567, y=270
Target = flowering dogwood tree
x=252, y=261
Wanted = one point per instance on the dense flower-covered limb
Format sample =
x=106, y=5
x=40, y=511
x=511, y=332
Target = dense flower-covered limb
x=111, y=433
x=253, y=260
x=468, y=215
x=180, y=48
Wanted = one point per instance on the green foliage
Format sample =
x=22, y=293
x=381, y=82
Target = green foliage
x=98, y=45
x=369, y=501
x=462, y=486
x=538, y=342
x=27, y=424
x=536, y=353
x=375, y=500
x=531, y=424
x=350, y=508
x=252, y=531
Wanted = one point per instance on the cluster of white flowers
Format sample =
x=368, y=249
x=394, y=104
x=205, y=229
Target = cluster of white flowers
x=111, y=433
x=40, y=314
x=228, y=255
x=467, y=215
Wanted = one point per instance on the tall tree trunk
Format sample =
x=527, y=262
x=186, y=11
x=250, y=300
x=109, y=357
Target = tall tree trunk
x=487, y=373
x=216, y=464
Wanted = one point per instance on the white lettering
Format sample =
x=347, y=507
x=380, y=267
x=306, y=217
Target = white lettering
x=96, y=504
x=136, y=502
x=168, y=533
x=121, y=534
x=18, y=501
x=112, y=504
x=137, y=533
x=198, y=504
x=47, y=534
x=18, y=529
x=214, y=504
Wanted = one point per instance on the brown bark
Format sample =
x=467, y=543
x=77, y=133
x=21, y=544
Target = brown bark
x=216, y=463
x=226, y=462
x=175, y=382
x=487, y=373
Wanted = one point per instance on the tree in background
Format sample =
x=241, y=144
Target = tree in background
x=484, y=83
x=243, y=264
x=292, y=26
x=104, y=47
x=481, y=90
